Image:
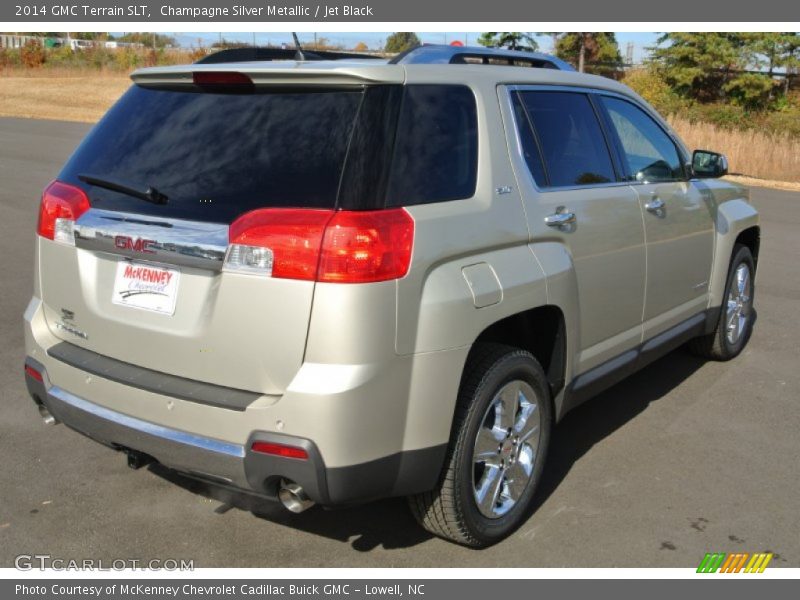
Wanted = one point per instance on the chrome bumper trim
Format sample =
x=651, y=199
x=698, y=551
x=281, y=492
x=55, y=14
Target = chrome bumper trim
x=159, y=431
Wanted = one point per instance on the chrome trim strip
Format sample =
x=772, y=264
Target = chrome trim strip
x=600, y=91
x=173, y=435
x=169, y=241
x=519, y=151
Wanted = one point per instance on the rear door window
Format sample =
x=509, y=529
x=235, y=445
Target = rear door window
x=565, y=127
x=217, y=155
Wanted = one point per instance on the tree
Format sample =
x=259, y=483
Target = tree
x=593, y=52
x=700, y=65
x=149, y=39
x=725, y=66
x=775, y=50
x=361, y=47
x=512, y=40
x=401, y=41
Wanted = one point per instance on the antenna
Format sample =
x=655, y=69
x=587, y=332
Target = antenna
x=300, y=55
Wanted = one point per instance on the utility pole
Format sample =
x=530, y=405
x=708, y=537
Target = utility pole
x=582, y=52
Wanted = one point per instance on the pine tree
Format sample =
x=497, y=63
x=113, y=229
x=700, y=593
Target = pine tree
x=590, y=52
x=512, y=40
x=401, y=41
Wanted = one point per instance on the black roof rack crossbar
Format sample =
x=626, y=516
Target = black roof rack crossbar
x=431, y=54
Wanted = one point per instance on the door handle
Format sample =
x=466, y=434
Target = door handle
x=655, y=205
x=561, y=217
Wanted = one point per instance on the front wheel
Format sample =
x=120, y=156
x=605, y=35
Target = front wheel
x=497, y=451
x=735, y=322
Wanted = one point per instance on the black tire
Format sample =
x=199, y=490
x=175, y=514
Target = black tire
x=450, y=511
x=716, y=345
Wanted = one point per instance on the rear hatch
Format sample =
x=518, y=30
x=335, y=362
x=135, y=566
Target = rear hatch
x=140, y=276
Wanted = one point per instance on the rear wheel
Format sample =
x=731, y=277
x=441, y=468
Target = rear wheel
x=497, y=451
x=735, y=322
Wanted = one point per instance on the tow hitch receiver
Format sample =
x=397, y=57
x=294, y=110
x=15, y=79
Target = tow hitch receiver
x=137, y=460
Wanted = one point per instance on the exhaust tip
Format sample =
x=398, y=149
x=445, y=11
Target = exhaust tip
x=48, y=418
x=294, y=498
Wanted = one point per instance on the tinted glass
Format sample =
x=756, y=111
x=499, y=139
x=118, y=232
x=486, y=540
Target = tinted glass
x=369, y=159
x=436, y=148
x=530, y=148
x=572, y=141
x=650, y=153
x=218, y=155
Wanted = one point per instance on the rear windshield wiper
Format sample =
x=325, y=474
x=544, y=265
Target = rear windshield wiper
x=150, y=194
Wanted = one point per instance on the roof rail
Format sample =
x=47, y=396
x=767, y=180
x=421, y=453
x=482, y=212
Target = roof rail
x=437, y=54
x=254, y=53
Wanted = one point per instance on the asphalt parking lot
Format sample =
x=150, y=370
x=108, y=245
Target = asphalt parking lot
x=684, y=458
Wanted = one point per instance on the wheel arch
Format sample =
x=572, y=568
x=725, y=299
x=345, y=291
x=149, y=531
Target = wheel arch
x=736, y=222
x=751, y=238
x=540, y=331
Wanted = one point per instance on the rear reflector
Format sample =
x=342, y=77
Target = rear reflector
x=221, y=78
x=322, y=245
x=61, y=206
x=29, y=370
x=280, y=450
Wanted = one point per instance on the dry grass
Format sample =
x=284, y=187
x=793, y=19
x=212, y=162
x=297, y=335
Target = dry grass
x=751, y=153
x=80, y=97
x=792, y=186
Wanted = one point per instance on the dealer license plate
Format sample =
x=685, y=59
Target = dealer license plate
x=146, y=287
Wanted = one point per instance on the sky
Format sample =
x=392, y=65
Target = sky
x=375, y=40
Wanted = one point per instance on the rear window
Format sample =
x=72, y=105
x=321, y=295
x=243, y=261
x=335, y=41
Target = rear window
x=216, y=155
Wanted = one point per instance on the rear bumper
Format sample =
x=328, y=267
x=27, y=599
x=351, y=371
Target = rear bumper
x=236, y=465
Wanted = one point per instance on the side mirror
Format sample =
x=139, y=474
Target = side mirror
x=709, y=165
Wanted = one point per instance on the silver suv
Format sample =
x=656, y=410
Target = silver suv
x=340, y=280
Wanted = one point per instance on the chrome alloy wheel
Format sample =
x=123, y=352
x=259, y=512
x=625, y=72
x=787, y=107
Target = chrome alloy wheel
x=739, y=304
x=505, y=449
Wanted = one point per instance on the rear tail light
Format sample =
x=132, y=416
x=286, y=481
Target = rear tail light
x=279, y=450
x=61, y=206
x=281, y=242
x=360, y=247
x=322, y=245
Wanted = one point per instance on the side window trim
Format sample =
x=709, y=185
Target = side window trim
x=613, y=150
x=616, y=165
x=612, y=140
x=517, y=88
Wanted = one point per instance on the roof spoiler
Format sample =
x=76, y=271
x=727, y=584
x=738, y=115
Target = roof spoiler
x=254, y=53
